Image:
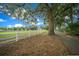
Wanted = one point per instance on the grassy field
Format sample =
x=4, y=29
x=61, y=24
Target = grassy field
x=29, y=31
x=7, y=34
x=13, y=33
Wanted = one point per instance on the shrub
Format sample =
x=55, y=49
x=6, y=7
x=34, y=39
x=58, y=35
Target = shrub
x=32, y=27
x=45, y=27
x=73, y=29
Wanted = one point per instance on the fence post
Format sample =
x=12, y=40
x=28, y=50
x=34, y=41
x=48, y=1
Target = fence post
x=17, y=35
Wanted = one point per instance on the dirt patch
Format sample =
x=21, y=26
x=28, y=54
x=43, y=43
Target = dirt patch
x=40, y=45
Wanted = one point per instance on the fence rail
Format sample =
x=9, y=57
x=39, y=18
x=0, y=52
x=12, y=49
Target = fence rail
x=10, y=37
x=17, y=36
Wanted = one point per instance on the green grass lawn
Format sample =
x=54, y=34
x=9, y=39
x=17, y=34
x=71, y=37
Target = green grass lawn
x=7, y=34
x=13, y=33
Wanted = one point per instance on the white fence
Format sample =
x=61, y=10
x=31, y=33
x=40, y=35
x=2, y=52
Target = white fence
x=18, y=36
x=9, y=37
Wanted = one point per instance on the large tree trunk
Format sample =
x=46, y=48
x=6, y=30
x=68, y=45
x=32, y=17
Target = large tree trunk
x=51, y=23
x=51, y=27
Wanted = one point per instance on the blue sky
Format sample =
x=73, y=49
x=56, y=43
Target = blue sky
x=34, y=5
x=6, y=20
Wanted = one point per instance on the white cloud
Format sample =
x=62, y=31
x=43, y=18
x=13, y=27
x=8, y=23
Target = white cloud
x=9, y=13
x=1, y=6
x=40, y=23
x=9, y=26
x=18, y=25
x=67, y=17
x=2, y=20
x=13, y=17
x=38, y=19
